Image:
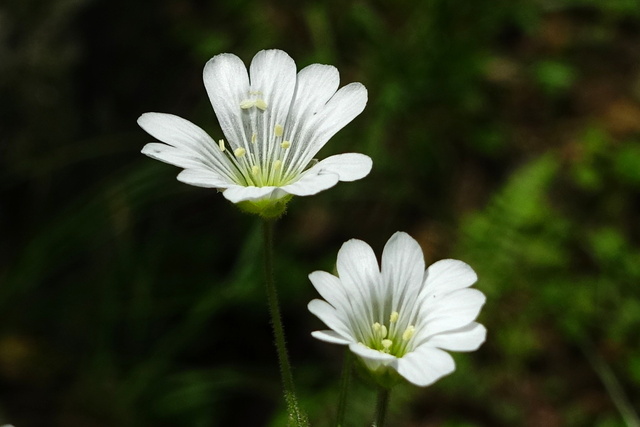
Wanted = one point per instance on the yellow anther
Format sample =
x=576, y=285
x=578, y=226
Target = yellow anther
x=239, y=152
x=254, y=138
x=255, y=92
x=387, y=345
x=255, y=170
x=279, y=130
x=376, y=327
x=260, y=104
x=394, y=317
x=383, y=331
x=277, y=164
x=285, y=144
x=408, y=333
x=247, y=103
x=221, y=144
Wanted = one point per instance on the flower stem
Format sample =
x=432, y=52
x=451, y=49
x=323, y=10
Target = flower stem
x=296, y=416
x=345, y=381
x=382, y=403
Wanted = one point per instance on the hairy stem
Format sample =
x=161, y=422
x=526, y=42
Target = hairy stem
x=296, y=417
x=345, y=381
x=382, y=404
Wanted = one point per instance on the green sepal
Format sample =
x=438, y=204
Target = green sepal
x=384, y=376
x=267, y=209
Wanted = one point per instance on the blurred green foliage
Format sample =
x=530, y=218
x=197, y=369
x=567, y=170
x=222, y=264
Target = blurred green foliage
x=503, y=133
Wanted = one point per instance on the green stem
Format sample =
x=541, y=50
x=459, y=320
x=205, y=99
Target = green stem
x=382, y=404
x=345, y=381
x=296, y=417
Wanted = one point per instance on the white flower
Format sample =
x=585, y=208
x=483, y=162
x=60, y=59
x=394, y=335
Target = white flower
x=399, y=318
x=274, y=120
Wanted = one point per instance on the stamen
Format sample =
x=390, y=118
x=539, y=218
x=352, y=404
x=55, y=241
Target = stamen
x=247, y=103
x=387, y=345
x=254, y=138
x=221, y=144
x=260, y=104
x=255, y=170
x=279, y=130
x=394, y=317
x=408, y=333
x=383, y=331
x=255, y=92
x=285, y=144
x=277, y=164
x=376, y=327
x=239, y=152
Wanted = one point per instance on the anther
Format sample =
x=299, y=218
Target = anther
x=408, y=333
x=260, y=104
x=376, y=327
x=277, y=164
x=254, y=138
x=221, y=144
x=255, y=170
x=394, y=317
x=279, y=130
x=247, y=103
x=387, y=345
x=285, y=144
x=239, y=152
x=383, y=331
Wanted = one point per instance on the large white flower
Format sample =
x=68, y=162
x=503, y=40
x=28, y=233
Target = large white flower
x=274, y=120
x=399, y=318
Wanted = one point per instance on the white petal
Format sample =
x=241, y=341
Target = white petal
x=425, y=365
x=273, y=78
x=227, y=84
x=468, y=338
x=329, y=316
x=348, y=166
x=330, y=288
x=311, y=183
x=315, y=85
x=454, y=310
x=203, y=173
x=239, y=193
x=341, y=109
x=202, y=178
x=331, y=336
x=186, y=137
x=175, y=131
x=273, y=74
x=359, y=273
x=402, y=272
x=370, y=354
x=173, y=156
x=449, y=275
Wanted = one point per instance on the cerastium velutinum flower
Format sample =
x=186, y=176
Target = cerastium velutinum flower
x=399, y=319
x=275, y=121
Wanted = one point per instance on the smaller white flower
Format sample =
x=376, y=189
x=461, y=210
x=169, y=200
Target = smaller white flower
x=274, y=122
x=399, y=318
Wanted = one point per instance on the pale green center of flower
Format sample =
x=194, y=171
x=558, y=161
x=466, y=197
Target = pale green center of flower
x=261, y=160
x=390, y=339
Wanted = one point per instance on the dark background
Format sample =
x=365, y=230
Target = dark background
x=503, y=133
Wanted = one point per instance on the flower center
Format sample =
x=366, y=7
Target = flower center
x=390, y=339
x=259, y=161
